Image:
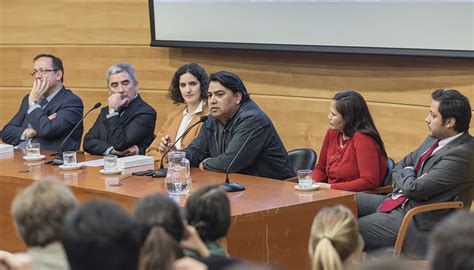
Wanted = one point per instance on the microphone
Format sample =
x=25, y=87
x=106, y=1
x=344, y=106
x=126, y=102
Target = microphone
x=228, y=186
x=59, y=160
x=161, y=172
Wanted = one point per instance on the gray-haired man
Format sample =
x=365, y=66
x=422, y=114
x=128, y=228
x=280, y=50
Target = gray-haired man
x=125, y=127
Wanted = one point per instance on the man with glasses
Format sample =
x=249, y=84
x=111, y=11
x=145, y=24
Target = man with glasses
x=49, y=112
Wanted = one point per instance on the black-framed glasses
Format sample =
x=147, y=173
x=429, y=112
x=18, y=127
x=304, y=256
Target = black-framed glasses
x=42, y=71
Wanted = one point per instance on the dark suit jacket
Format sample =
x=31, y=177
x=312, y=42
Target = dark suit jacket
x=134, y=127
x=51, y=133
x=446, y=175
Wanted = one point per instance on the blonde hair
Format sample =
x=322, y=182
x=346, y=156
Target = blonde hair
x=334, y=238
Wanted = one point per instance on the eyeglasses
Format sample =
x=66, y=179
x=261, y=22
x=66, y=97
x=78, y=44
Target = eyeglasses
x=42, y=71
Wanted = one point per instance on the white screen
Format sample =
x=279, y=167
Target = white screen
x=410, y=25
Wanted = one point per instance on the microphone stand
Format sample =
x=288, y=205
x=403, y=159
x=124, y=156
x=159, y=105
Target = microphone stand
x=161, y=172
x=59, y=156
x=228, y=186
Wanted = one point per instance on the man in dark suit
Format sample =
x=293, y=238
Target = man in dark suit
x=49, y=112
x=126, y=126
x=440, y=170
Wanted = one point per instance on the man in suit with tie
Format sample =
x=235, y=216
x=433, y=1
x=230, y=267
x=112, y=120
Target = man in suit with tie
x=440, y=170
x=49, y=112
x=125, y=127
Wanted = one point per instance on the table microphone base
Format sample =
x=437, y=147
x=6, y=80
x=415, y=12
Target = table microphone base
x=232, y=187
x=160, y=173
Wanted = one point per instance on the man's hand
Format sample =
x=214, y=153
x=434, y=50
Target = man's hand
x=131, y=151
x=116, y=101
x=52, y=116
x=30, y=133
x=40, y=87
x=165, y=143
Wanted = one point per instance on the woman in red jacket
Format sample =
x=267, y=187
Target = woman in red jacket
x=353, y=155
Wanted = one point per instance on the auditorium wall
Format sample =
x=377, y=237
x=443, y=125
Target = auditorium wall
x=294, y=89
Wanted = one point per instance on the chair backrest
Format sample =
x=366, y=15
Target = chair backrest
x=302, y=158
x=387, y=180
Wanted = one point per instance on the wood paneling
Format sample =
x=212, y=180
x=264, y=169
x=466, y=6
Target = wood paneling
x=293, y=88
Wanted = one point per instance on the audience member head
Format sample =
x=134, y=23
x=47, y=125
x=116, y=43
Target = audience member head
x=334, y=238
x=101, y=235
x=189, y=80
x=162, y=217
x=451, y=244
x=349, y=113
x=39, y=210
x=208, y=210
x=450, y=113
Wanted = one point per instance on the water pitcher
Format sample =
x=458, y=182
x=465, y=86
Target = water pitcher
x=178, y=180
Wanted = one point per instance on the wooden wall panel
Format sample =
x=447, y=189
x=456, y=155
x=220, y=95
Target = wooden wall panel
x=293, y=88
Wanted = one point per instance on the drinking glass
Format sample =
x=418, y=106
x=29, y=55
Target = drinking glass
x=33, y=150
x=69, y=159
x=110, y=163
x=304, y=179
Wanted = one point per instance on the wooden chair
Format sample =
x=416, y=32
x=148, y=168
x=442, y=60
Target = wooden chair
x=420, y=209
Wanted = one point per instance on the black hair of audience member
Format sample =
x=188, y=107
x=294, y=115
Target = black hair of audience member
x=160, y=210
x=355, y=112
x=451, y=244
x=208, y=210
x=101, y=235
x=197, y=71
x=454, y=104
x=39, y=210
x=162, y=217
x=232, y=82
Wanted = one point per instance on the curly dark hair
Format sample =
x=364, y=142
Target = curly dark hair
x=197, y=71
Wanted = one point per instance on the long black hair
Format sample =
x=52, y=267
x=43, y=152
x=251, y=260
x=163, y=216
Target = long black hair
x=353, y=108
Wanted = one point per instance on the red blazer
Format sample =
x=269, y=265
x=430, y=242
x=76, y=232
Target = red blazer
x=358, y=166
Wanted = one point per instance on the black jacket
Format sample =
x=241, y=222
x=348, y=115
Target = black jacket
x=264, y=154
x=134, y=127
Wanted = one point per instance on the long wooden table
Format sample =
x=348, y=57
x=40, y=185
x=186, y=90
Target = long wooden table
x=270, y=220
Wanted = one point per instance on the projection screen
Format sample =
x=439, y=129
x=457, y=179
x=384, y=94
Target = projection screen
x=374, y=27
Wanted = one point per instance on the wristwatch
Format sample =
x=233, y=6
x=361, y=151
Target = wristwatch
x=34, y=102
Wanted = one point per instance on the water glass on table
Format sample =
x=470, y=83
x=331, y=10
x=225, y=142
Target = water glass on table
x=69, y=159
x=110, y=163
x=304, y=179
x=33, y=150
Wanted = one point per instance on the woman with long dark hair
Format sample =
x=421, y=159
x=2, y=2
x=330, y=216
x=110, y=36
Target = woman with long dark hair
x=353, y=155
